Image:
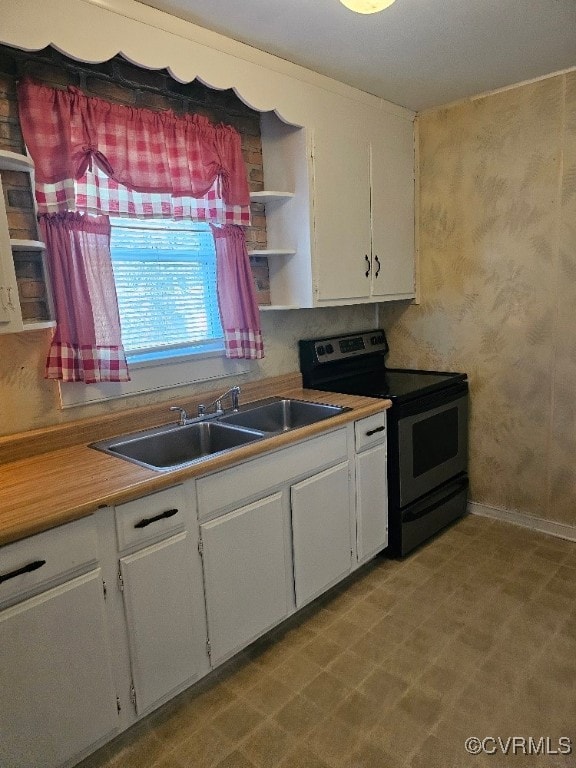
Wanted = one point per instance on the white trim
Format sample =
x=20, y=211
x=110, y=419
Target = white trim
x=164, y=21
x=152, y=378
x=96, y=30
x=552, y=528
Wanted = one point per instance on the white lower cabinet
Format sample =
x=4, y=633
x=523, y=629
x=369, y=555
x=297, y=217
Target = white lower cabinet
x=58, y=699
x=371, y=486
x=167, y=648
x=275, y=533
x=320, y=507
x=372, y=502
x=202, y=569
x=246, y=574
x=160, y=582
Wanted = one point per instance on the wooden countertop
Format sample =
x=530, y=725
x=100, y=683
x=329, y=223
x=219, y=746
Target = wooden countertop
x=42, y=491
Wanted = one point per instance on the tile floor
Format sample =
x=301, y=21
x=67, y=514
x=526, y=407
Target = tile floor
x=472, y=635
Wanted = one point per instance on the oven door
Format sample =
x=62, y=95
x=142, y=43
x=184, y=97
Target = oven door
x=432, y=442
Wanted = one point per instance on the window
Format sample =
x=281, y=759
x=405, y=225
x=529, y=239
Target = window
x=165, y=275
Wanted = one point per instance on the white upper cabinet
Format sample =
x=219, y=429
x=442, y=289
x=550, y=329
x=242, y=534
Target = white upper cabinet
x=392, y=211
x=364, y=214
x=341, y=195
x=350, y=219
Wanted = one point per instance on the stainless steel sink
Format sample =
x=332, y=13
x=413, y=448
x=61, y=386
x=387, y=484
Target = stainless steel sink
x=173, y=446
x=281, y=414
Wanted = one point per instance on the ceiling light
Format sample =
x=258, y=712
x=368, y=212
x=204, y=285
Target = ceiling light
x=366, y=6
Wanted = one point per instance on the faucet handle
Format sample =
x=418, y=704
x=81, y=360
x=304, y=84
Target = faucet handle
x=182, y=412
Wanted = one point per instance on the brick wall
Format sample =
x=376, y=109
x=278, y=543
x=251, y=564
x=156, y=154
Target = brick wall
x=118, y=80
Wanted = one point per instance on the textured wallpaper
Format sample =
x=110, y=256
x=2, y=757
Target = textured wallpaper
x=498, y=287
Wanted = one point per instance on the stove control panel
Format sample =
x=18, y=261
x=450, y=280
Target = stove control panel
x=351, y=345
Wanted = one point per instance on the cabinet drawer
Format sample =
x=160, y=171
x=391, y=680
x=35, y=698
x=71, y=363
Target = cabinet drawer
x=29, y=565
x=254, y=478
x=370, y=430
x=150, y=518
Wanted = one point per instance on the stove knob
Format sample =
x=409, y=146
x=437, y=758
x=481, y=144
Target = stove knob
x=329, y=349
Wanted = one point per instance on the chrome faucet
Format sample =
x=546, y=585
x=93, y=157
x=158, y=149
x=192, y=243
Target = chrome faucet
x=233, y=392
x=183, y=415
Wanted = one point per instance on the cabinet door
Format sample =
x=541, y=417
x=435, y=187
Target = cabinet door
x=321, y=532
x=342, y=244
x=246, y=574
x=371, y=502
x=58, y=697
x=167, y=646
x=392, y=184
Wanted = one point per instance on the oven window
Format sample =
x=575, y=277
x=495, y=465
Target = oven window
x=434, y=440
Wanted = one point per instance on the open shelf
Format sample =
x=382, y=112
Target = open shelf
x=13, y=161
x=38, y=325
x=26, y=245
x=268, y=196
x=272, y=252
x=23, y=271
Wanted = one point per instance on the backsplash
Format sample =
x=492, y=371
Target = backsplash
x=28, y=401
x=498, y=286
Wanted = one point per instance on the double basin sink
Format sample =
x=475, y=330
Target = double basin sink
x=178, y=445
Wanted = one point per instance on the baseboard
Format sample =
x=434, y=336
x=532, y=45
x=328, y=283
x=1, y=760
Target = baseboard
x=561, y=530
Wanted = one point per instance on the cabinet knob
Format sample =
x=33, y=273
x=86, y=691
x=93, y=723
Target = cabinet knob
x=368, y=265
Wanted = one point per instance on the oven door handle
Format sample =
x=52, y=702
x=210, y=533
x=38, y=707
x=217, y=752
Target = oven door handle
x=410, y=516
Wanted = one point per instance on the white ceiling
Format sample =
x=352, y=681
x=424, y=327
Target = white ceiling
x=416, y=53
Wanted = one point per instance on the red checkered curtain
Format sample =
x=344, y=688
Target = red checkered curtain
x=86, y=345
x=96, y=193
x=97, y=157
x=236, y=299
x=69, y=134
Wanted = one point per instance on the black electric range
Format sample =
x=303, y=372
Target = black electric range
x=427, y=429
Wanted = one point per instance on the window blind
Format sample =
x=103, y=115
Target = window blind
x=165, y=275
